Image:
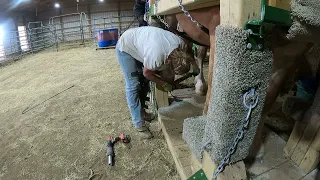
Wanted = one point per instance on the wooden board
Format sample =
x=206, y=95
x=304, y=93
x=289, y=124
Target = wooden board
x=236, y=13
x=285, y=171
x=282, y=4
x=161, y=98
x=232, y=172
x=180, y=151
x=273, y=165
x=166, y=7
x=312, y=158
x=232, y=13
x=294, y=138
x=183, y=93
x=306, y=140
x=210, y=74
x=195, y=164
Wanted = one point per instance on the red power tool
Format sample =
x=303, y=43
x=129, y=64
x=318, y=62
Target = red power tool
x=110, y=146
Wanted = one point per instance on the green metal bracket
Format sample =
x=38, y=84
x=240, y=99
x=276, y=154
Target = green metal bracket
x=151, y=10
x=195, y=49
x=270, y=16
x=199, y=175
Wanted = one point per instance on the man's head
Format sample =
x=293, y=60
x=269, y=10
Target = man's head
x=180, y=61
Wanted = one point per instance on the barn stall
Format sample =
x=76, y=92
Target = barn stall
x=223, y=137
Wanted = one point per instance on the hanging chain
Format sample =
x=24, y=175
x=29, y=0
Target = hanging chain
x=156, y=13
x=253, y=101
x=188, y=14
x=147, y=11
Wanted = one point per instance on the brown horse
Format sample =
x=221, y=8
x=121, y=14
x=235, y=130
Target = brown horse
x=287, y=55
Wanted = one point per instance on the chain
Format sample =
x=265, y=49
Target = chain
x=147, y=11
x=253, y=101
x=188, y=14
x=162, y=20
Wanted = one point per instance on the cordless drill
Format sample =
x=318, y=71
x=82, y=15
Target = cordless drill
x=110, y=146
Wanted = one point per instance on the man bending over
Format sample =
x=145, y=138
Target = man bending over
x=155, y=52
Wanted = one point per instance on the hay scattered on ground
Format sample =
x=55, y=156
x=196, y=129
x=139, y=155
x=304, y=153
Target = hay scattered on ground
x=65, y=137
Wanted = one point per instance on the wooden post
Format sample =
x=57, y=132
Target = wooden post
x=312, y=158
x=61, y=25
x=119, y=17
x=283, y=4
x=89, y=20
x=233, y=13
x=162, y=98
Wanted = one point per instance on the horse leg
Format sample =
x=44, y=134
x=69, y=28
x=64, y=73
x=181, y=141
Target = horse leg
x=284, y=64
x=201, y=86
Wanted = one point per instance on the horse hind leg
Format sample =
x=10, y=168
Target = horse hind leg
x=201, y=86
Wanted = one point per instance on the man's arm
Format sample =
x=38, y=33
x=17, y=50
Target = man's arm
x=151, y=75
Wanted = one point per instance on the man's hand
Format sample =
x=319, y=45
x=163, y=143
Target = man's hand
x=195, y=70
x=160, y=84
x=166, y=87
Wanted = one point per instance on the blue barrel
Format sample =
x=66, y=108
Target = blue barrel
x=107, y=37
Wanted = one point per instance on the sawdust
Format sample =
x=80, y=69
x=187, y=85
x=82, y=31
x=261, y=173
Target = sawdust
x=65, y=137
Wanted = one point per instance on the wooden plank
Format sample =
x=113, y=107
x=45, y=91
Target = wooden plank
x=294, y=138
x=282, y=4
x=161, y=98
x=314, y=175
x=183, y=93
x=235, y=171
x=178, y=148
x=312, y=157
x=166, y=7
x=195, y=164
x=207, y=165
x=286, y=171
x=236, y=13
x=306, y=140
x=272, y=155
x=210, y=74
x=232, y=13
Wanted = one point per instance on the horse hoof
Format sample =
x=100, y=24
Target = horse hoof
x=201, y=88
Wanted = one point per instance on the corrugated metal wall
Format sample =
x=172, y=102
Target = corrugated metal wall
x=107, y=15
x=66, y=26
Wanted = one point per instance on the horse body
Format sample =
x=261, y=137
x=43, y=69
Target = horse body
x=184, y=24
x=288, y=55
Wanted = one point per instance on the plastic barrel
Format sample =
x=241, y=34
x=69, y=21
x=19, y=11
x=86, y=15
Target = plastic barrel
x=107, y=37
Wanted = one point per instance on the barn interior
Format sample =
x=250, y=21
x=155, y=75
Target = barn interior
x=63, y=92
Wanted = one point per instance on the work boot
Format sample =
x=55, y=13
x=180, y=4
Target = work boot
x=147, y=116
x=144, y=132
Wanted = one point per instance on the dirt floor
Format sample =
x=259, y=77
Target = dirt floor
x=57, y=110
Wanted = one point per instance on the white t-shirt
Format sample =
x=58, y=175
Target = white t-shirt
x=149, y=45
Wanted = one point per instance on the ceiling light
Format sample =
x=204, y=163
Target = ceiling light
x=101, y=0
x=57, y=5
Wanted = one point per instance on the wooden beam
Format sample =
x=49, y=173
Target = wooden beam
x=210, y=75
x=282, y=4
x=306, y=140
x=294, y=139
x=233, y=13
x=119, y=17
x=61, y=24
x=232, y=172
x=312, y=157
x=89, y=19
x=172, y=130
x=236, y=13
x=166, y=7
x=161, y=98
